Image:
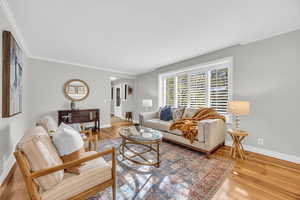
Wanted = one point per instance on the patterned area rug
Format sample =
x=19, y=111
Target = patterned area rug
x=183, y=175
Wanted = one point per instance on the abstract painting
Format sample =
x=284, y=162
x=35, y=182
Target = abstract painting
x=13, y=62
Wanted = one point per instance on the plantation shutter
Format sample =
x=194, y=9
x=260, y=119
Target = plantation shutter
x=182, y=90
x=170, y=91
x=219, y=89
x=198, y=90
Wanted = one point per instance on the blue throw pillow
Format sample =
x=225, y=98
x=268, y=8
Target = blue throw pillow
x=166, y=113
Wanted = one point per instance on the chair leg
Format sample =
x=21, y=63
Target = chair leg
x=114, y=190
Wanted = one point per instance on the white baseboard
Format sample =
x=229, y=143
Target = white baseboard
x=7, y=167
x=105, y=126
x=267, y=152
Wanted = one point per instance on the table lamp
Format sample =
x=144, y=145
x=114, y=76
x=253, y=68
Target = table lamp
x=238, y=108
x=147, y=103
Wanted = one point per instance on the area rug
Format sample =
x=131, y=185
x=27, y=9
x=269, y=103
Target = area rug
x=184, y=174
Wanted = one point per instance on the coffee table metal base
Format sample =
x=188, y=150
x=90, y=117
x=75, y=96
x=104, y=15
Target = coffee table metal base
x=149, y=148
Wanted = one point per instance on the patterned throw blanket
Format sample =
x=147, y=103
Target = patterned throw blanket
x=189, y=126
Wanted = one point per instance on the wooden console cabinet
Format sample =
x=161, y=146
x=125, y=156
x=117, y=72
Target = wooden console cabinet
x=80, y=116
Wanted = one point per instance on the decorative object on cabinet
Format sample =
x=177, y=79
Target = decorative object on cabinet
x=76, y=90
x=73, y=105
x=12, y=92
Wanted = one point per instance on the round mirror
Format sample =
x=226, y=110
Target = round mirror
x=76, y=90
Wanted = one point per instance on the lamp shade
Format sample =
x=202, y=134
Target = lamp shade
x=239, y=107
x=147, y=102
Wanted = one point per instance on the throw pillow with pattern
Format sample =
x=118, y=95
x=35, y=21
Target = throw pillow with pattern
x=177, y=113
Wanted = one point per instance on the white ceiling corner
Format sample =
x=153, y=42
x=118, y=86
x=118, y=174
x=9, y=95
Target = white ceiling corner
x=135, y=37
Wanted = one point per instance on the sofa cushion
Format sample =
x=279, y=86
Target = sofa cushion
x=158, y=124
x=189, y=112
x=176, y=132
x=41, y=154
x=93, y=173
x=48, y=123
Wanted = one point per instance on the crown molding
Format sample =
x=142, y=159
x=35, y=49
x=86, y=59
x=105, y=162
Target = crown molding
x=14, y=28
x=20, y=40
x=121, y=73
x=269, y=36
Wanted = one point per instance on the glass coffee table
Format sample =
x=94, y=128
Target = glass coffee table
x=146, y=140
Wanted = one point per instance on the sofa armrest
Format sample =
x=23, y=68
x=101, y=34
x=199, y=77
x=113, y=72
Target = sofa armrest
x=146, y=116
x=211, y=132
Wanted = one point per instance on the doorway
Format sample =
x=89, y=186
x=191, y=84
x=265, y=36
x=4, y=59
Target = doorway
x=118, y=102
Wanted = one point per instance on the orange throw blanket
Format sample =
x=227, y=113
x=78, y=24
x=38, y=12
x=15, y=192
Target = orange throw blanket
x=189, y=126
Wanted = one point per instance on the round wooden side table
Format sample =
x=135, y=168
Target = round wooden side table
x=237, y=149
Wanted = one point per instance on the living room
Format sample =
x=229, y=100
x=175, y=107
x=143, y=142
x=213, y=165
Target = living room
x=208, y=82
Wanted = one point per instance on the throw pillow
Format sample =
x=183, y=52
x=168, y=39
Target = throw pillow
x=177, y=113
x=166, y=113
x=69, y=144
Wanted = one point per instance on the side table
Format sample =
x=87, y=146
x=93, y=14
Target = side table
x=237, y=149
x=128, y=116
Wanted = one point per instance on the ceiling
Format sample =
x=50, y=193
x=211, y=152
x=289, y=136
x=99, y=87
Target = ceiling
x=137, y=36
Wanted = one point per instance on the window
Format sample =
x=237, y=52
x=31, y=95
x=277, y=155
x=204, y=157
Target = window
x=170, y=91
x=198, y=86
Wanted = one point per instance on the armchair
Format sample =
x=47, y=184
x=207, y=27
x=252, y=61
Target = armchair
x=44, y=174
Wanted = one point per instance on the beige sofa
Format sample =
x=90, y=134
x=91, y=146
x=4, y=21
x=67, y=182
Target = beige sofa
x=211, y=132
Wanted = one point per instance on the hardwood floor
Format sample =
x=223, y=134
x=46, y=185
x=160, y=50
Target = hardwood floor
x=258, y=177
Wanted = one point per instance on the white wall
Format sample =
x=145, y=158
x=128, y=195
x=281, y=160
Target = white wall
x=11, y=129
x=266, y=73
x=46, y=82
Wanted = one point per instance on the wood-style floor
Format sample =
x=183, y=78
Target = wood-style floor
x=257, y=178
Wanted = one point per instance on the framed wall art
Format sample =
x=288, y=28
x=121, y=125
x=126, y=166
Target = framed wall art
x=12, y=88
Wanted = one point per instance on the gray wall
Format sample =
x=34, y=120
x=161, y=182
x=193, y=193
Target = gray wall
x=46, y=89
x=11, y=129
x=266, y=73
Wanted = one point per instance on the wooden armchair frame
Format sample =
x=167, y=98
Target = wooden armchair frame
x=32, y=187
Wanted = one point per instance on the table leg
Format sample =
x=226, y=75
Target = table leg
x=232, y=146
x=158, y=159
x=123, y=144
x=243, y=151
